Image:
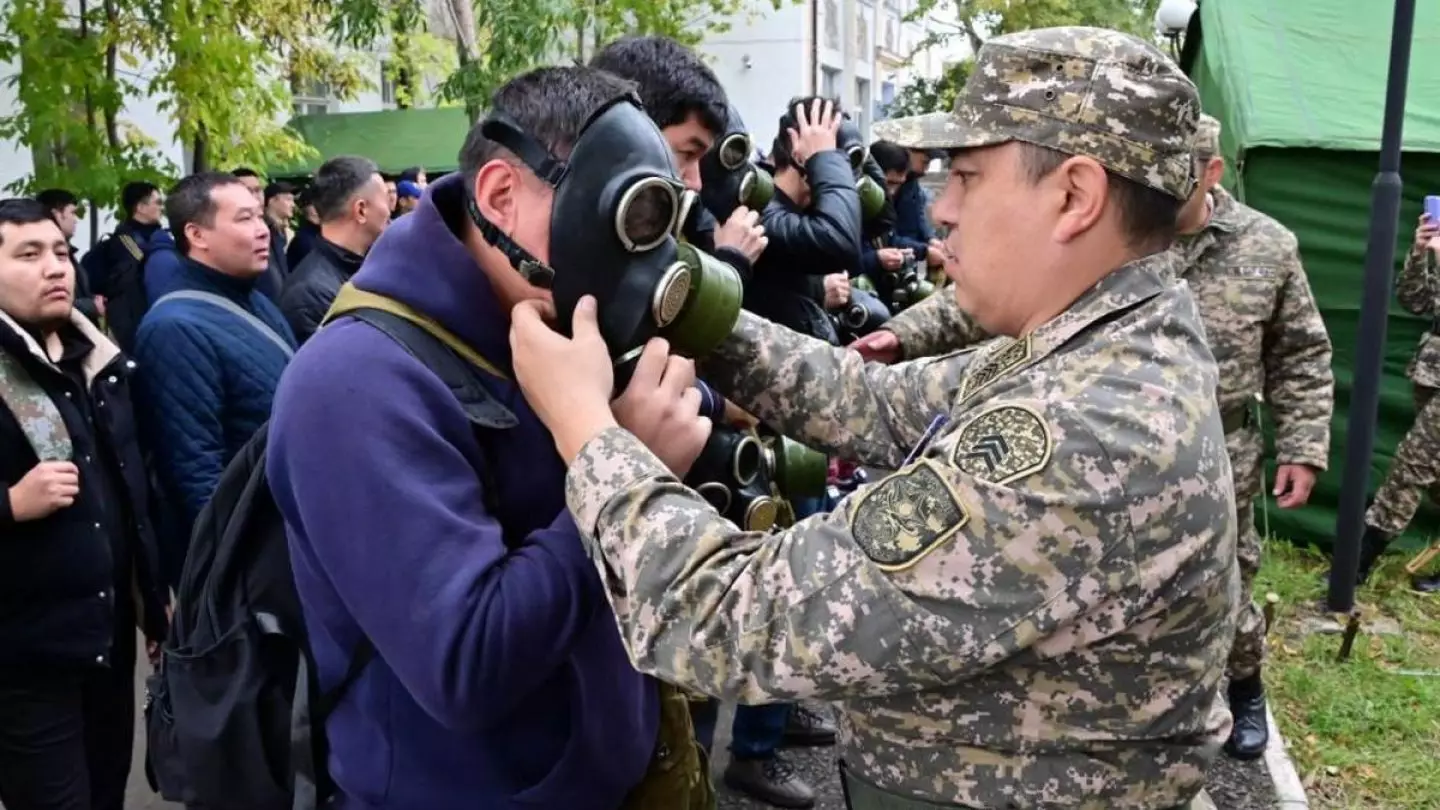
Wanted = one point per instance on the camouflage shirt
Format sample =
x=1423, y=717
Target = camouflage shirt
x=1262, y=324
x=1419, y=293
x=1260, y=317
x=1035, y=612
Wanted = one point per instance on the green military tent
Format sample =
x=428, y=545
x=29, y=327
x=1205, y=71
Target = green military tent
x=395, y=139
x=1300, y=89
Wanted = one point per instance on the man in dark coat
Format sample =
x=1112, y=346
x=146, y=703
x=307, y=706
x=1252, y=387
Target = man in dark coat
x=352, y=202
x=77, y=556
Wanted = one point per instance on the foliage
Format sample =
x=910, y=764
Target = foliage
x=1363, y=732
x=975, y=20
x=220, y=70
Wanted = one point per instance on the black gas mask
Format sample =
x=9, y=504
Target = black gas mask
x=749, y=478
x=728, y=178
x=617, y=211
x=852, y=145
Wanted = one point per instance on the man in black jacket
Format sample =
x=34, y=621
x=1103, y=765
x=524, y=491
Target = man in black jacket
x=76, y=548
x=352, y=203
x=813, y=224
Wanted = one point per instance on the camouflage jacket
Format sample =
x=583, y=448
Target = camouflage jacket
x=1419, y=293
x=1263, y=325
x=1260, y=318
x=1034, y=613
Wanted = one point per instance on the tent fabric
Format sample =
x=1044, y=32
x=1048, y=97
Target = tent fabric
x=1300, y=91
x=1324, y=196
x=1313, y=73
x=395, y=139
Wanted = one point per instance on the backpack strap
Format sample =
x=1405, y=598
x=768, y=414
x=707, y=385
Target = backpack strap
x=132, y=247
x=351, y=298
x=36, y=412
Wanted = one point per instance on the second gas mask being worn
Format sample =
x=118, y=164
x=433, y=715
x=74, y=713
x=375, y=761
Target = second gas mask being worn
x=872, y=194
x=728, y=178
x=617, y=210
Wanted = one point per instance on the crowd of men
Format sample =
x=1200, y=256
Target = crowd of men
x=515, y=588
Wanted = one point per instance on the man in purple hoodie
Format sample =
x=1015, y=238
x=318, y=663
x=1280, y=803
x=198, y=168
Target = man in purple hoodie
x=499, y=679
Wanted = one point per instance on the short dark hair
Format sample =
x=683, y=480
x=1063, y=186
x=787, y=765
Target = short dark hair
x=551, y=104
x=1147, y=215
x=135, y=193
x=780, y=153
x=673, y=81
x=891, y=157
x=245, y=171
x=23, y=211
x=193, y=200
x=336, y=182
x=277, y=188
x=56, y=199
x=412, y=174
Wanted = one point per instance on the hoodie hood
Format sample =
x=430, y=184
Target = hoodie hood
x=420, y=261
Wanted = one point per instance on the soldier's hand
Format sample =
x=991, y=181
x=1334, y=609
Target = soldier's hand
x=661, y=406
x=566, y=381
x=1293, y=483
x=49, y=487
x=1427, y=231
x=880, y=346
x=743, y=232
x=815, y=130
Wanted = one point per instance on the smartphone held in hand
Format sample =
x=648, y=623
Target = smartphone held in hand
x=1432, y=207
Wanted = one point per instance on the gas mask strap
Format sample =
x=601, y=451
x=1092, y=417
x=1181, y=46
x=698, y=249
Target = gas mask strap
x=503, y=130
x=535, y=272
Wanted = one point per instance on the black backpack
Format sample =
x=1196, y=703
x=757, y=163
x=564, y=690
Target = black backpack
x=125, y=299
x=234, y=716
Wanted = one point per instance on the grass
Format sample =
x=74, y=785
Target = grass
x=1362, y=733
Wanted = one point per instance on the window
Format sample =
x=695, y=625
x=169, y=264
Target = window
x=829, y=82
x=862, y=102
x=387, y=84
x=310, y=97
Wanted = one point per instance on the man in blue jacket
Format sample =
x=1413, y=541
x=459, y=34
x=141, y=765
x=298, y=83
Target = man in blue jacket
x=499, y=679
x=210, y=351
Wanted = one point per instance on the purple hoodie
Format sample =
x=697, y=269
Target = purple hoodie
x=501, y=681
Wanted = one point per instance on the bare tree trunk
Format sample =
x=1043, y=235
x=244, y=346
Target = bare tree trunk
x=462, y=13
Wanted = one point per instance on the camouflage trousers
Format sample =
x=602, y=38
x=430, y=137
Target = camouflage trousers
x=1247, y=653
x=1413, y=472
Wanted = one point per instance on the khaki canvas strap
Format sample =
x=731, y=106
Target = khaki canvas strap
x=132, y=247
x=352, y=298
x=36, y=412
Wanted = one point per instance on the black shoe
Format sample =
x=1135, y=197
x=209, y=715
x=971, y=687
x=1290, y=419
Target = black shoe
x=1251, y=731
x=773, y=781
x=1430, y=584
x=806, y=727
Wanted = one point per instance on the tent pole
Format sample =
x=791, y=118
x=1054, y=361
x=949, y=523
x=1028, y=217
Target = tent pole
x=1374, y=309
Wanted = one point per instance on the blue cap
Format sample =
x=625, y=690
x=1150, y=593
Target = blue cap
x=405, y=188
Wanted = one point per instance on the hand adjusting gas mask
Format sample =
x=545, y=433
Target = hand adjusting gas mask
x=614, y=224
x=728, y=178
x=872, y=194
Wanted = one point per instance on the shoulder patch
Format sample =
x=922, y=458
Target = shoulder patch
x=994, y=365
x=1003, y=444
x=906, y=516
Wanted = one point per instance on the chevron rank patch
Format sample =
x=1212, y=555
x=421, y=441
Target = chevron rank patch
x=1003, y=444
x=997, y=363
x=906, y=516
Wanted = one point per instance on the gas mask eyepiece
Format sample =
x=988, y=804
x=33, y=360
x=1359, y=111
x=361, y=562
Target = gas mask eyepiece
x=728, y=178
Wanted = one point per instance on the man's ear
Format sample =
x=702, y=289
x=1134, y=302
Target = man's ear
x=195, y=236
x=495, y=185
x=1084, y=187
x=1214, y=170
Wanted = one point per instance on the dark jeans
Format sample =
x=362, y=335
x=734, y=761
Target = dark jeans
x=66, y=738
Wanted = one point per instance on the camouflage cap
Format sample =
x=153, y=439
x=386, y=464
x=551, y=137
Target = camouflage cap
x=1083, y=91
x=1207, y=138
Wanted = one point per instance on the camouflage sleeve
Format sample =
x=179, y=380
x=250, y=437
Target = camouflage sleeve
x=1416, y=287
x=847, y=604
x=935, y=326
x=827, y=397
x=1299, y=383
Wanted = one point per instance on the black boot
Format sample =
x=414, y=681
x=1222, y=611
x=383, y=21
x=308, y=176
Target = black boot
x=1372, y=544
x=1430, y=584
x=1251, y=731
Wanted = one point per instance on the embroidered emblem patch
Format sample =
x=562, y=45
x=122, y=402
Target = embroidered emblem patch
x=906, y=515
x=995, y=365
x=1003, y=444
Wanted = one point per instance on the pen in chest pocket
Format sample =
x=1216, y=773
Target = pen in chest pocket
x=926, y=438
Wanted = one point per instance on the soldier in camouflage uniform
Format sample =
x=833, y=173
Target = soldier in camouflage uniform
x=1415, y=469
x=1269, y=340
x=1035, y=610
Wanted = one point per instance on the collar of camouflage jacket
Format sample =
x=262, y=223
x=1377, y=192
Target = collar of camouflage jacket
x=1224, y=216
x=102, y=355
